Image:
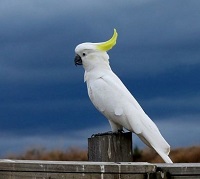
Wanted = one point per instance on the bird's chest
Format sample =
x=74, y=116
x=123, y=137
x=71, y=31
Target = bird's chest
x=98, y=95
x=103, y=97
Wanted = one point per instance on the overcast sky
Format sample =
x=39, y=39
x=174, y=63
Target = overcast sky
x=43, y=99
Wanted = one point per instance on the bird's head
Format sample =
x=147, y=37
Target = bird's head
x=94, y=54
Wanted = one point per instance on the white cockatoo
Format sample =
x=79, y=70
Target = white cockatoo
x=112, y=98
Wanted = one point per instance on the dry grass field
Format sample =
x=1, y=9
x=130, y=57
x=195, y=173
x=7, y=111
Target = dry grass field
x=178, y=155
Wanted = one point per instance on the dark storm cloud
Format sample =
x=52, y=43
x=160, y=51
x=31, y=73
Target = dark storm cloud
x=157, y=57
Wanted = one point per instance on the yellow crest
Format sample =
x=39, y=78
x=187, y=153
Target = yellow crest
x=105, y=46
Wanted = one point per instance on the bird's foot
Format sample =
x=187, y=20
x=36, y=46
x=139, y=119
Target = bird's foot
x=108, y=133
x=120, y=131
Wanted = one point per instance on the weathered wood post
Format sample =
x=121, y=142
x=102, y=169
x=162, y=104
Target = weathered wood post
x=110, y=148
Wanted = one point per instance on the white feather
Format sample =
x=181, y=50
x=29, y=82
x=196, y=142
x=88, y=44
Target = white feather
x=116, y=103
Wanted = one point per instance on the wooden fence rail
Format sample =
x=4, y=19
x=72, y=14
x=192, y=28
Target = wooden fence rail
x=31, y=169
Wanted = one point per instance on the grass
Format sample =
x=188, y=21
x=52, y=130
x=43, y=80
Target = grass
x=178, y=155
x=71, y=154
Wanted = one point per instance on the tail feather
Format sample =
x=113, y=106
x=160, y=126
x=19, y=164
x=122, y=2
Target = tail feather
x=162, y=148
x=164, y=156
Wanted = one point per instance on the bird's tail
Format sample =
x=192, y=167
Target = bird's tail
x=163, y=149
x=164, y=156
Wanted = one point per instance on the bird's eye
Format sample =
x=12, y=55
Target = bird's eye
x=84, y=54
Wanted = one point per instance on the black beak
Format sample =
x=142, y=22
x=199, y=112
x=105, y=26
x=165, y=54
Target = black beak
x=78, y=60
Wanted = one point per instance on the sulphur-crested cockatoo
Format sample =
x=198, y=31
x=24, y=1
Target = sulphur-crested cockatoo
x=112, y=98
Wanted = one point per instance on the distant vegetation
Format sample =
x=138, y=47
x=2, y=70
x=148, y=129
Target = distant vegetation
x=71, y=154
x=179, y=155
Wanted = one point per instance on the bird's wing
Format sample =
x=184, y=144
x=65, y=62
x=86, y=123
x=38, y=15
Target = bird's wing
x=111, y=97
x=108, y=93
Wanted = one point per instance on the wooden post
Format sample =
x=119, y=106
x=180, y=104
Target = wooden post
x=110, y=148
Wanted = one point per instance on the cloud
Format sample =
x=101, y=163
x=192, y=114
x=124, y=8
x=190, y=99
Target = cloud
x=157, y=40
x=179, y=132
x=157, y=57
x=160, y=107
x=37, y=30
x=19, y=144
x=10, y=74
